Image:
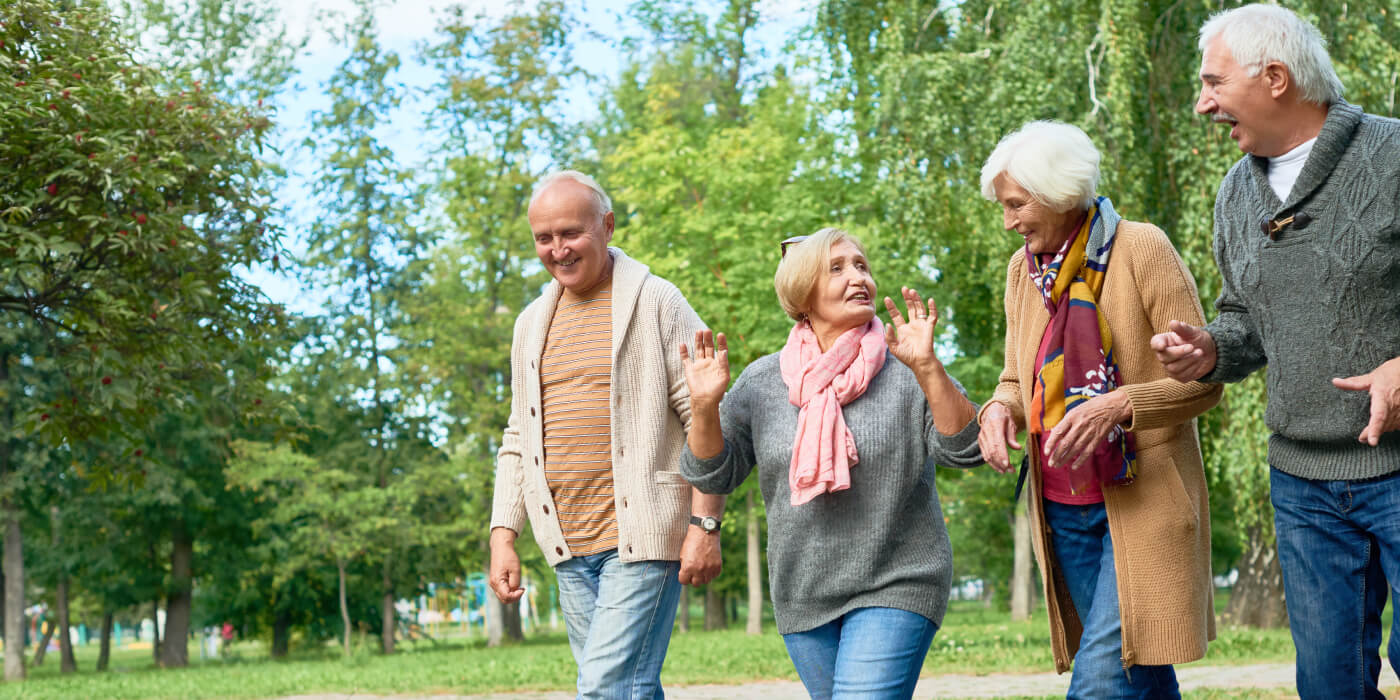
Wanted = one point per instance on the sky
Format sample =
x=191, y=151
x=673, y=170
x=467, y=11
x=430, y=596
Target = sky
x=404, y=24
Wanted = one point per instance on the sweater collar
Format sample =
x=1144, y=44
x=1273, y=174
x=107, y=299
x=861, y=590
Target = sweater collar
x=628, y=276
x=1332, y=141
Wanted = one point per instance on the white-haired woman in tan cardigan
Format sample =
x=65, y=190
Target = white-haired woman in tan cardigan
x=1121, y=525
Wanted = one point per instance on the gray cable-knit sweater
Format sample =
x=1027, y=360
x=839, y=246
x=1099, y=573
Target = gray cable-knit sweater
x=1320, y=301
x=880, y=543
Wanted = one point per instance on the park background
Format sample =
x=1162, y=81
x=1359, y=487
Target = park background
x=261, y=266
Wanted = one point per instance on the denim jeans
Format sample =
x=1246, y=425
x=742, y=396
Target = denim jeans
x=867, y=653
x=1338, y=543
x=1084, y=551
x=619, y=618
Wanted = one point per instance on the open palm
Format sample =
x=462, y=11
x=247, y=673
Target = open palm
x=912, y=340
x=706, y=367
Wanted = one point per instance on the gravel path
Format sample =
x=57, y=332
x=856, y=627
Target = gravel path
x=947, y=686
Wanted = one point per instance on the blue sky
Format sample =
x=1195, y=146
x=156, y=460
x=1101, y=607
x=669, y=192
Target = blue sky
x=402, y=25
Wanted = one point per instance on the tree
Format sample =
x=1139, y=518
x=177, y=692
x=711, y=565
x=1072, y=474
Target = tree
x=124, y=208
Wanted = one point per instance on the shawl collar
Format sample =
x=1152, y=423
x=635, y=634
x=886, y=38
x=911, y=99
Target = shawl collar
x=1342, y=120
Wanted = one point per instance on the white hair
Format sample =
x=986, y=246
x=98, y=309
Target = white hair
x=1055, y=162
x=600, y=198
x=1257, y=35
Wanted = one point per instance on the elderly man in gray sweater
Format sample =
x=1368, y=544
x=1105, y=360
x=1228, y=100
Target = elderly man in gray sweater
x=1307, y=238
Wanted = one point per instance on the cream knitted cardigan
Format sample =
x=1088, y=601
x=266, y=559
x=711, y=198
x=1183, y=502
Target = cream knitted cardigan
x=650, y=414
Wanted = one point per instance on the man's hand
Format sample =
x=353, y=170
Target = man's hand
x=1075, y=438
x=505, y=566
x=997, y=431
x=1383, y=383
x=700, y=560
x=1185, y=351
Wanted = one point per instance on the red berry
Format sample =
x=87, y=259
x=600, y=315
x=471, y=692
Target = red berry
x=257, y=402
x=66, y=94
x=91, y=156
x=106, y=381
x=44, y=417
x=140, y=452
x=53, y=106
x=153, y=315
x=135, y=159
x=20, y=83
x=122, y=232
x=77, y=76
x=53, y=188
x=141, y=218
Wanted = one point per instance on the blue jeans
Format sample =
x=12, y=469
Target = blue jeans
x=619, y=618
x=1084, y=550
x=867, y=653
x=1338, y=543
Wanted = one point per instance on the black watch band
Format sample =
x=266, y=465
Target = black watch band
x=708, y=523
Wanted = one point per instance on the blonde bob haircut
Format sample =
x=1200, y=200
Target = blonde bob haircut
x=802, y=267
x=1055, y=162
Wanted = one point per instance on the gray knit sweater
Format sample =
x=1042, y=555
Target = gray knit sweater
x=880, y=543
x=1320, y=301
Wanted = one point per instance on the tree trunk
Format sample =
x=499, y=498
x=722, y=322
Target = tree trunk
x=1022, y=579
x=43, y=649
x=684, y=613
x=344, y=605
x=281, y=634
x=155, y=629
x=754, y=570
x=104, y=652
x=14, y=582
x=66, y=663
x=388, y=617
x=714, y=609
x=1257, y=597
x=176, y=652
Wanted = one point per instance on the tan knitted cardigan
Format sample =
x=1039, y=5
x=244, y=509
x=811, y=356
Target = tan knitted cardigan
x=1160, y=523
x=650, y=405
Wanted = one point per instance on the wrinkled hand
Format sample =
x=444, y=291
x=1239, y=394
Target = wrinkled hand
x=706, y=368
x=505, y=566
x=700, y=560
x=1082, y=430
x=912, y=341
x=997, y=431
x=1383, y=383
x=1185, y=351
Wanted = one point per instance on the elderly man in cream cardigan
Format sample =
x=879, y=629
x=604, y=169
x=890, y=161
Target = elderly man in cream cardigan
x=598, y=419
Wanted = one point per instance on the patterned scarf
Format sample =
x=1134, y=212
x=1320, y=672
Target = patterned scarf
x=823, y=451
x=1079, y=362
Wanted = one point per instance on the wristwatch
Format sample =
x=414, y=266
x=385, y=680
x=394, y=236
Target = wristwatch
x=707, y=523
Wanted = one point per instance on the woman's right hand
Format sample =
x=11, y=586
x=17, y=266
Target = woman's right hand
x=998, y=430
x=706, y=368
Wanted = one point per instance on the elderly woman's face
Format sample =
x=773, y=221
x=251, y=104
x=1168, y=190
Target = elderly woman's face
x=845, y=293
x=1044, y=229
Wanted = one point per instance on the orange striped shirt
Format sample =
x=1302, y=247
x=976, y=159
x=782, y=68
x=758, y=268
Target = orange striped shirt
x=575, y=382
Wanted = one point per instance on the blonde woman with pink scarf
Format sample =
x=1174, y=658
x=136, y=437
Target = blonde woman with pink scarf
x=845, y=425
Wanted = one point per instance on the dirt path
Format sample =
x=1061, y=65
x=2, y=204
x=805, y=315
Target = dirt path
x=947, y=686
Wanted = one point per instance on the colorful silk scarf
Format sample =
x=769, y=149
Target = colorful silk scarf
x=1079, y=363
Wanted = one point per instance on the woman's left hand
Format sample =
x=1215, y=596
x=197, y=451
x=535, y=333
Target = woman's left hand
x=1075, y=438
x=912, y=341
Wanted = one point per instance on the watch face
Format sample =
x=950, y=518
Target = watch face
x=709, y=524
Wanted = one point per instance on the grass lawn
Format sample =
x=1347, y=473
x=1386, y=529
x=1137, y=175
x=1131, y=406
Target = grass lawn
x=973, y=640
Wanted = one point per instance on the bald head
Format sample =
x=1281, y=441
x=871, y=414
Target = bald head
x=571, y=229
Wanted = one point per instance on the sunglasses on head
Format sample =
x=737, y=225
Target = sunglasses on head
x=791, y=242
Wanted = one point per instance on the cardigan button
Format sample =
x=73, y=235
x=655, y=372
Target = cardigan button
x=559, y=551
x=546, y=509
x=624, y=502
x=532, y=410
x=629, y=549
x=537, y=461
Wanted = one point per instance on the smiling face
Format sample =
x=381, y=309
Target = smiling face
x=1044, y=230
x=844, y=296
x=1244, y=102
x=571, y=236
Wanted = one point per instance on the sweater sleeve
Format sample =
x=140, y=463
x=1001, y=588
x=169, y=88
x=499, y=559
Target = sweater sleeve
x=1238, y=348
x=508, y=501
x=1008, y=391
x=725, y=471
x=679, y=322
x=1168, y=292
x=957, y=450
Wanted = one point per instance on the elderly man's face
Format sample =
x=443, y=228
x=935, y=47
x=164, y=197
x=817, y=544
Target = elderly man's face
x=571, y=237
x=1230, y=95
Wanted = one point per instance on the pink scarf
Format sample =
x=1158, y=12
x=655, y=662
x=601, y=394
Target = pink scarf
x=823, y=451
